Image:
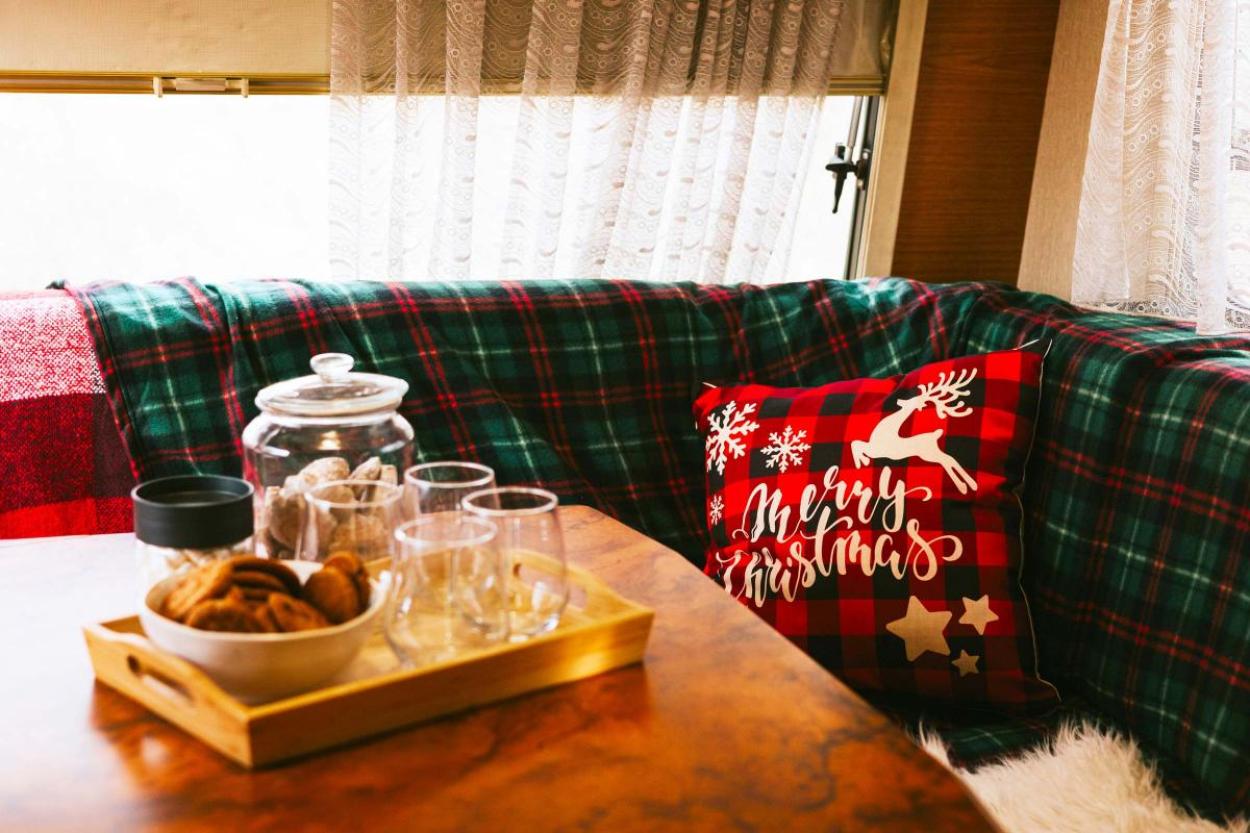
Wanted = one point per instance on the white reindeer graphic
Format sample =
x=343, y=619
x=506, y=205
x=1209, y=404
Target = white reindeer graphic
x=884, y=441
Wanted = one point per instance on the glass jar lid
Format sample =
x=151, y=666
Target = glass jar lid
x=333, y=390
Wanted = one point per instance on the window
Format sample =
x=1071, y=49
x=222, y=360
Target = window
x=823, y=240
x=136, y=187
x=118, y=185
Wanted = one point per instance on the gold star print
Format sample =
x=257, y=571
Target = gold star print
x=966, y=663
x=978, y=613
x=921, y=630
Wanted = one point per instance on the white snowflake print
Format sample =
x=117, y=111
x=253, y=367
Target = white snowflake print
x=725, y=433
x=716, y=510
x=785, y=449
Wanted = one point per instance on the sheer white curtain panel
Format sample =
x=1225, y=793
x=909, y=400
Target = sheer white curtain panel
x=1164, y=221
x=646, y=139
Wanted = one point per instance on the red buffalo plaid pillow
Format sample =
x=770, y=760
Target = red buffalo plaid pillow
x=876, y=523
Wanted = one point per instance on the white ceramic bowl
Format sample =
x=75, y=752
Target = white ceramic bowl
x=258, y=667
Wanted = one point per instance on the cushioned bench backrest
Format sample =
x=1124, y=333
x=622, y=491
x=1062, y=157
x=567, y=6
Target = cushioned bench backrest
x=1139, y=485
x=583, y=387
x=1138, y=525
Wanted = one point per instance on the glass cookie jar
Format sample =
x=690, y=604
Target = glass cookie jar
x=335, y=424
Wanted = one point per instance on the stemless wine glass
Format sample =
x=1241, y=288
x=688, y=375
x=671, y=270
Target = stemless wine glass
x=533, y=551
x=441, y=486
x=449, y=590
x=355, y=515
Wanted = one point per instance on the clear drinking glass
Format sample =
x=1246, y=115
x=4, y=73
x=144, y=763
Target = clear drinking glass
x=449, y=588
x=532, y=544
x=441, y=486
x=355, y=515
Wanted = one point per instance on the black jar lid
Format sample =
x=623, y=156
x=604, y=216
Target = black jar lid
x=193, y=511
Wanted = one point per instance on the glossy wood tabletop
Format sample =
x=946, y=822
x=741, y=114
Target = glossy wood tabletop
x=725, y=726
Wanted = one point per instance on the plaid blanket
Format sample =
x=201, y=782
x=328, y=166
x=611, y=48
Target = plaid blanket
x=584, y=387
x=1138, y=521
x=1136, y=495
x=65, y=470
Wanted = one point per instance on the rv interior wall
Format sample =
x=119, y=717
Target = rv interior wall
x=1050, y=237
x=226, y=37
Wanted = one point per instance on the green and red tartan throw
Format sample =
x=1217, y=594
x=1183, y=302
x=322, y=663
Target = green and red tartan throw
x=876, y=523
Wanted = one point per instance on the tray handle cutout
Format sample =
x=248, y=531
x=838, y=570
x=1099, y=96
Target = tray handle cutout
x=161, y=684
x=587, y=592
x=182, y=688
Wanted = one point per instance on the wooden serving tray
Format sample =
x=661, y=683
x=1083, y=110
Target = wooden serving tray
x=598, y=632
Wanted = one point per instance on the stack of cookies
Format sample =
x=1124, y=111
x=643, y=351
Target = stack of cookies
x=246, y=594
x=284, y=507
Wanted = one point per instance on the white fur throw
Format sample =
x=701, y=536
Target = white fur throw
x=1083, y=780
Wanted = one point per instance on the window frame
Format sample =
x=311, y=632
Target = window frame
x=876, y=206
x=143, y=83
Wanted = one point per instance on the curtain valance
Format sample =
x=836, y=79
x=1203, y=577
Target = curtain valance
x=607, y=47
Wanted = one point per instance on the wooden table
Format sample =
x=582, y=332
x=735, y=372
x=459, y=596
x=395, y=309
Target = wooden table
x=726, y=726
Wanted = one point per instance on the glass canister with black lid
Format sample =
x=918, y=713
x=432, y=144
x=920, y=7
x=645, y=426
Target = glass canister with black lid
x=335, y=424
x=185, y=521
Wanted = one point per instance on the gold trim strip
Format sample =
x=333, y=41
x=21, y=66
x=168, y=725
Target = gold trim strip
x=126, y=83
x=261, y=84
x=857, y=85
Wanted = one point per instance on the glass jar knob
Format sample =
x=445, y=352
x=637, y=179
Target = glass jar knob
x=332, y=367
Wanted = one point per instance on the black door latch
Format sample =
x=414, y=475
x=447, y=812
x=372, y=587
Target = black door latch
x=840, y=167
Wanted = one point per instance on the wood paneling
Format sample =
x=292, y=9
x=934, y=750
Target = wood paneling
x=975, y=127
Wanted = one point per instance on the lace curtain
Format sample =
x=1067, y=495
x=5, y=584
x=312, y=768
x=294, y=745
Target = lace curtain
x=572, y=138
x=1163, y=226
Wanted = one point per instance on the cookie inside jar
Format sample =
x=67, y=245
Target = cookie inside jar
x=327, y=508
x=337, y=424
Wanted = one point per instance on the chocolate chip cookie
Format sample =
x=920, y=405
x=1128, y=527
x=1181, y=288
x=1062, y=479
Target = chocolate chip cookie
x=293, y=615
x=269, y=566
x=208, y=581
x=224, y=615
x=350, y=563
x=333, y=593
